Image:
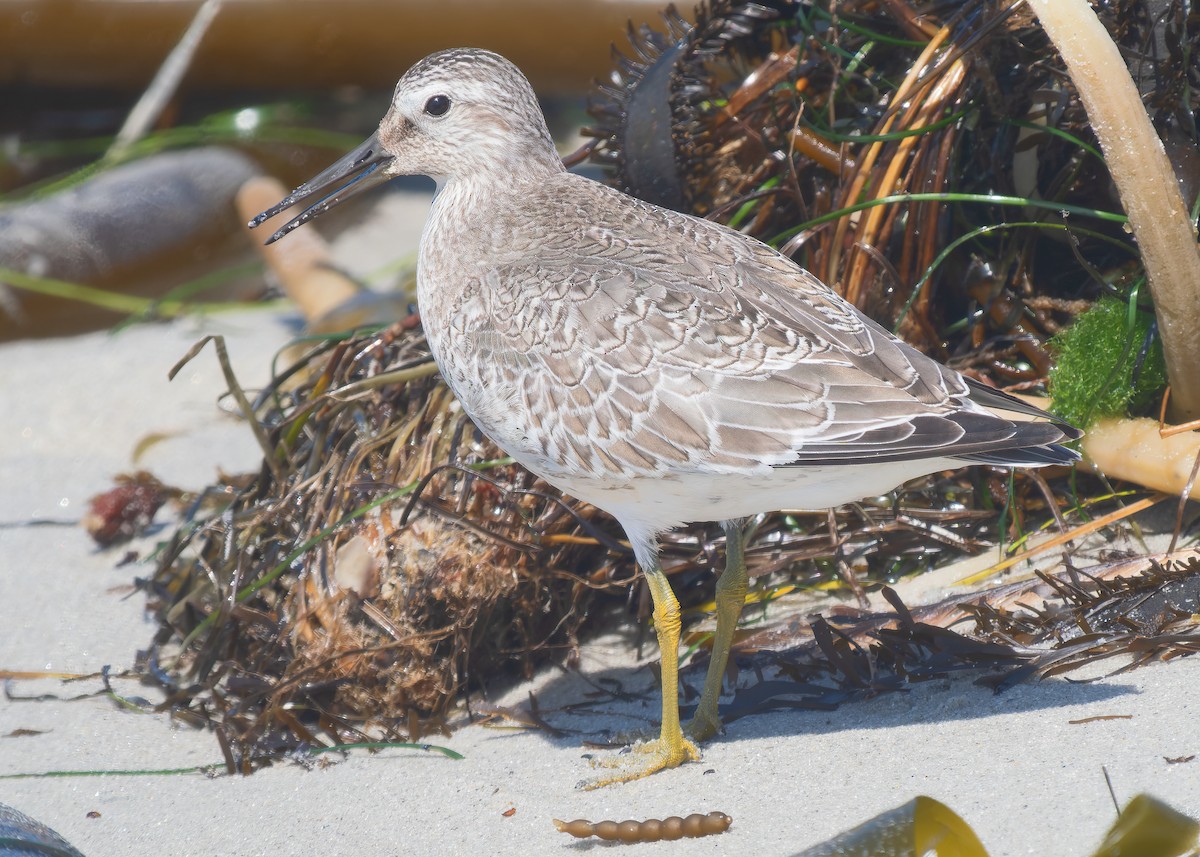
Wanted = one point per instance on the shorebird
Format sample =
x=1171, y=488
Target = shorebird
x=663, y=368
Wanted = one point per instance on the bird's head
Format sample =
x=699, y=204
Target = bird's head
x=459, y=114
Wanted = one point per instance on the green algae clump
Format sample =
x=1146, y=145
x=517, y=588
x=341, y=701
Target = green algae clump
x=1109, y=364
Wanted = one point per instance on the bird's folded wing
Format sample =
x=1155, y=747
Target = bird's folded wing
x=638, y=364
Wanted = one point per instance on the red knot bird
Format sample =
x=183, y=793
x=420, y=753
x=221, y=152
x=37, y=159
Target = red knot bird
x=663, y=368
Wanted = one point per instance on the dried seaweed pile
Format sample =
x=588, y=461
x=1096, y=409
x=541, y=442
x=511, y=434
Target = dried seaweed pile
x=781, y=117
x=1133, y=611
x=382, y=559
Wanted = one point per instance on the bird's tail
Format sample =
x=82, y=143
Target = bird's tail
x=1036, y=444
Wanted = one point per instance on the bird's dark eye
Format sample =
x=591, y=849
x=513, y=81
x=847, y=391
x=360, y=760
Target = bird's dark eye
x=437, y=105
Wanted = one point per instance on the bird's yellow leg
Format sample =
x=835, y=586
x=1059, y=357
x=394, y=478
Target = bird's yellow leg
x=670, y=749
x=731, y=597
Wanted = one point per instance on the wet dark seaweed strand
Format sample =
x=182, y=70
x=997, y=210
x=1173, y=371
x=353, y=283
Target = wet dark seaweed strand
x=650, y=830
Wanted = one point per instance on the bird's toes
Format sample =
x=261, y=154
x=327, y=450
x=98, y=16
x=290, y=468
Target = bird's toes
x=645, y=759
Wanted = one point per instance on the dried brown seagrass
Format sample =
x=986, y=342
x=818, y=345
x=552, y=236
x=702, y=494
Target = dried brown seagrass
x=1136, y=611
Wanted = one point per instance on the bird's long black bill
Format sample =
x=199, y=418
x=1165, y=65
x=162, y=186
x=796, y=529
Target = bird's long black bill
x=350, y=175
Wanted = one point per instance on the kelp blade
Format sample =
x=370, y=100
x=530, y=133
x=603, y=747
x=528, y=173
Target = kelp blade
x=21, y=835
x=924, y=827
x=1149, y=828
x=921, y=827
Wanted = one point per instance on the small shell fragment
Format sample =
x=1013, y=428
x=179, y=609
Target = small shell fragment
x=650, y=830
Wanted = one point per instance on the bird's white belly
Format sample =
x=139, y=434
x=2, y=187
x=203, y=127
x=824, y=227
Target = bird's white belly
x=655, y=504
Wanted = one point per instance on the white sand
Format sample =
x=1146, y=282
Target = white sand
x=71, y=414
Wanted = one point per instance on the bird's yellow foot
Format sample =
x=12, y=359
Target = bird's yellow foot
x=646, y=759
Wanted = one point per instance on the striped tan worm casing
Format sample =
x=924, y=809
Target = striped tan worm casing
x=650, y=830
